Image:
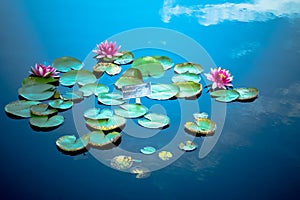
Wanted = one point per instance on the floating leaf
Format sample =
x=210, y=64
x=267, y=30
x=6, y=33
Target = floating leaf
x=20, y=108
x=72, y=95
x=96, y=113
x=125, y=58
x=202, y=126
x=225, y=95
x=42, y=110
x=99, y=139
x=65, y=64
x=69, y=143
x=163, y=91
x=165, y=61
x=188, y=89
x=141, y=172
x=131, y=76
x=188, y=67
x=93, y=88
x=165, y=155
x=37, y=91
x=149, y=66
x=109, y=68
x=186, y=77
x=61, y=104
x=131, y=110
x=111, y=99
x=32, y=80
x=121, y=162
x=247, y=93
x=148, y=150
x=82, y=77
x=153, y=120
x=187, y=146
x=45, y=122
x=106, y=124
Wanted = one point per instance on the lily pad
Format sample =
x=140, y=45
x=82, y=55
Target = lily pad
x=149, y=67
x=187, y=146
x=32, y=80
x=111, y=99
x=131, y=76
x=141, y=172
x=202, y=126
x=121, y=162
x=20, y=108
x=131, y=110
x=247, y=93
x=188, y=67
x=165, y=61
x=163, y=91
x=165, y=155
x=109, y=68
x=69, y=143
x=82, y=77
x=148, y=150
x=153, y=120
x=93, y=88
x=65, y=64
x=42, y=110
x=45, y=122
x=186, y=77
x=99, y=139
x=225, y=95
x=125, y=58
x=61, y=104
x=96, y=113
x=188, y=89
x=72, y=95
x=37, y=92
x=106, y=124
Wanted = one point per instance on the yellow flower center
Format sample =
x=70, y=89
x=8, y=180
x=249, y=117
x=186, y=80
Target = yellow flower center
x=221, y=76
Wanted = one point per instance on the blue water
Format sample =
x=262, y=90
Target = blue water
x=256, y=156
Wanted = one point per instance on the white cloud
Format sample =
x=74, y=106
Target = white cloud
x=244, y=50
x=209, y=14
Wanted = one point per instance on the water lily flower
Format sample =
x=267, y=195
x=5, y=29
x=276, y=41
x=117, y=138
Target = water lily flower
x=221, y=78
x=107, y=50
x=44, y=71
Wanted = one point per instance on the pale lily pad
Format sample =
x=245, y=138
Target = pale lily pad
x=131, y=110
x=163, y=91
x=153, y=120
x=149, y=66
x=96, y=113
x=200, y=115
x=61, y=104
x=202, y=126
x=32, y=80
x=188, y=67
x=42, y=110
x=247, y=93
x=109, y=68
x=125, y=58
x=131, y=76
x=45, y=122
x=141, y=172
x=93, y=88
x=99, y=139
x=187, y=146
x=186, y=77
x=20, y=108
x=37, y=92
x=188, y=89
x=121, y=162
x=225, y=95
x=148, y=150
x=165, y=61
x=106, y=124
x=165, y=155
x=72, y=95
x=82, y=77
x=65, y=64
x=111, y=99
x=69, y=143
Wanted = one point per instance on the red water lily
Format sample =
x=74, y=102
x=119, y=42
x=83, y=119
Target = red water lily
x=107, y=50
x=221, y=78
x=44, y=71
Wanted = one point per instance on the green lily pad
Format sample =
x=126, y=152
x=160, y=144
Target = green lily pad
x=42, y=110
x=96, y=113
x=247, y=93
x=125, y=58
x=109, y=68
x=188, y=89
x=32, y=80
x=131, y=76
x=186, y=77
x=165, y=61
x=37, y=92
x=148, y=150
x=121, y=162
x=69, y=143
x=61, y=104
x=149, y=67
x=82, y=77
x=188, y=67
x=20, y=108
x=99, y=139
x=72, y=95
x=163, y=91
x=111, y=99
x=45, y=122
x=106, y=124
x=225, y=95
x=187, y=146
x=202, y=126
x=93, y=88
x=131, y=110
x=65, y=64
x=153, y=120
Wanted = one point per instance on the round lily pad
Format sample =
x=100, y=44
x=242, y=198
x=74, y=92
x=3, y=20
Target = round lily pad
x=37, y=92
x=72, y=95
x=165, y=155
x=93, y=88
x=106, y=124
x=20, y=108
x=149, y=66
x=225, y=95
x=247, y=93
x=111, y=99
x=32, y=80
x=125, y=58
x=69, y=143
x=96, y=113
x=42, y=110
x=186, y=77
x=188, y=67
x=82, y=77
x=163, y=91
x=188, y=89
x=153, y=120
x=121, y=162
x=109, y=68
x=187, y=146
x=202, y=126
x=131, y=110
x=61, y=104
x=45, y=122
x=141, y=172
x=165, y=61
x=99, y=139
x=148, y=150
x=131, y=76
x=65, y=64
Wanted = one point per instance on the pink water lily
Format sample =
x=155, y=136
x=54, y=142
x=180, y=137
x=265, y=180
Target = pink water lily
x=221, y=78
x=107, y=50
x=44, y=71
